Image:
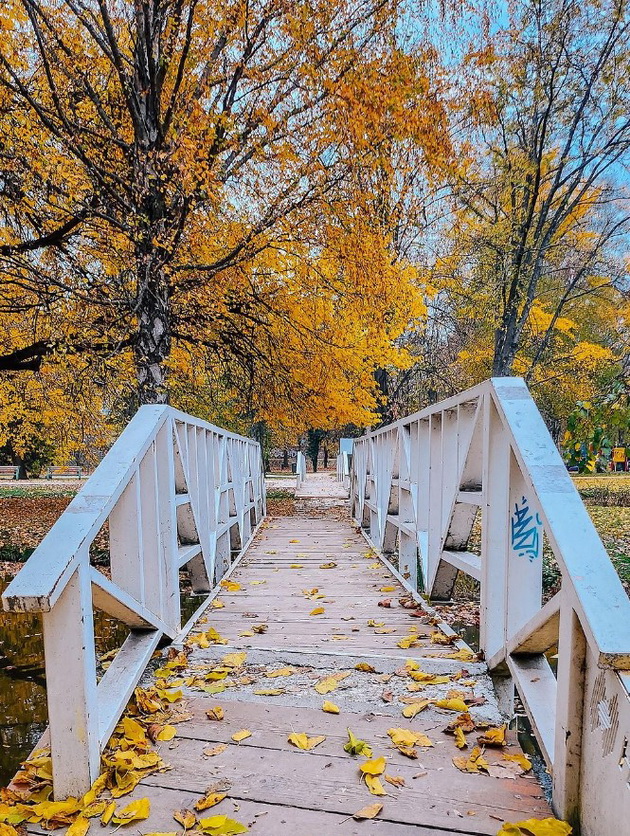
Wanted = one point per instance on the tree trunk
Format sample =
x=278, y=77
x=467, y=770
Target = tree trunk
x=154, y=333
x=285, y=459
x=325, y=457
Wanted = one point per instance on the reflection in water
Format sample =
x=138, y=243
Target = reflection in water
x=23, y=709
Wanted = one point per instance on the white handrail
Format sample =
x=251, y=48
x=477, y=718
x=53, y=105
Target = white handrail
x=300, y=469
x=343, y=469
x=175, y=491
x=419, y=486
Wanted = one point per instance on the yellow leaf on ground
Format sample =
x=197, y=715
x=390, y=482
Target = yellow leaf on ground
x=294, y=541
x=395, y=780
x=373, y=623
x=407, y=737
x=222, y=826
x=408, y=641
x=210, y=800
x=330, y=707
x=186, y=818
x=217, y=604
x=108, y=813
x=374, y=785
x=317, y=611
x=429, y=678
x=451, y=705
x=296, y=566
x=136, y=811
x=246, y=634
x=329, y=683
x=461, y=656
x=387, y=589
x=521, y=760
x=231, y=586
x=410, y=711
x=269, y=692
x=79, y=827
x=363, y=666
x=354, y=746
x=234, y=660
x=460, y=738
x=439, y=638
x=215, y=713
x=280, y=672
x=369, y=812
x=475, y=762
x=303, y=741
x=167, y=733
x=373, y=767
x=536, y=827
x=330, y=565
x=493, y=737
x=133, y=731
x=96, y=808
x=216, y=750
x=243, y=734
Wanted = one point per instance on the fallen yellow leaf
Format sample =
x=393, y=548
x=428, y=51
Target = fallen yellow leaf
x=217, y=604
x=428, y=678
x=215, y=713
x=330, y=707
x=296, y=566
x=387, y=589
x=108, y=813
x=407, y=737
x=374, y=785
x=373, y=767
x=79, y=827
x=231, y=586
x=395, y=780
x=186, y=818
x=451, y=705
x=136, y=811
x=493, y=737
x=408, y=641
x=521, y=760
x=222, y=826
x=317, y=611
x=303, y=741
x=329, y=683
x=369, y=812
x=473, y=763
x=354, y=746
x=234, y=660
x=243, y=734
x=280, y=672
x=330, y=565
x=269, y=692
x=536, y=827
x=372, y=623
x=460, y=738
x=210, y=800
x=210, y=753
x=363, y=666
x=410, y=711
x=167, y=733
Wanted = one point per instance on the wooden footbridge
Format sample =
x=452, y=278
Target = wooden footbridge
x=315, y=691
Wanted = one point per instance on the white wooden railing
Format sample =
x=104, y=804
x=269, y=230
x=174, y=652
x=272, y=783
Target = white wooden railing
x=175, y=492
x=300, y=469
x=343, y=469
x=419, y=486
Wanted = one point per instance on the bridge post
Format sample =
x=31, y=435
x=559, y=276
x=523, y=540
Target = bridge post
x=71, y=686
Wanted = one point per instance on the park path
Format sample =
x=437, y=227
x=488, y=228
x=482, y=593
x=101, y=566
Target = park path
x=269, y=611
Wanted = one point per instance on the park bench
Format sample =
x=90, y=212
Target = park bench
x=64, y=472
x=9, y=471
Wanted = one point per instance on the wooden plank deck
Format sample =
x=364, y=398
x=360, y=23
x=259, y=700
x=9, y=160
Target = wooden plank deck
x=276, y=789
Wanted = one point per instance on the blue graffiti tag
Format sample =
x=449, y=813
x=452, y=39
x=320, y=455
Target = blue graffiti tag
x=525, y=530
